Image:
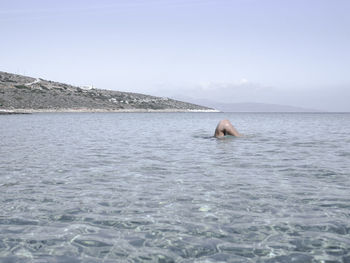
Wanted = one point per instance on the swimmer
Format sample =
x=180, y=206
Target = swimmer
x=225, y=128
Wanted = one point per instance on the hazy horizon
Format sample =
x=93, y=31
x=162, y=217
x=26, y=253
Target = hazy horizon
x=291, y=53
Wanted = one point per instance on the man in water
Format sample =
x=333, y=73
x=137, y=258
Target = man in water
x=225, y=128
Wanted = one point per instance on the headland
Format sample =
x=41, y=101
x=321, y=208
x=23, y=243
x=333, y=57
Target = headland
x=22, y=94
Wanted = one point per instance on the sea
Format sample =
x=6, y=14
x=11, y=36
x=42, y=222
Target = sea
x=158, y=187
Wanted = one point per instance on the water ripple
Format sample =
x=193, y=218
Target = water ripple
x=92, y=191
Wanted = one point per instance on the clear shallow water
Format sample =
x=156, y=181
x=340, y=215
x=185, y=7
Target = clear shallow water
x=149, y=187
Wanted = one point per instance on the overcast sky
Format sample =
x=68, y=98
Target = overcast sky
x=293, y=52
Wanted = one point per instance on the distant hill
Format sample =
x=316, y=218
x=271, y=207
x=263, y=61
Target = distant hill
x=248, y=106
x=19, y=92
x=257, y=107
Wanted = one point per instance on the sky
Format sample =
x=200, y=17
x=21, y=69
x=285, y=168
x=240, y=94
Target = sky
x=291, y=52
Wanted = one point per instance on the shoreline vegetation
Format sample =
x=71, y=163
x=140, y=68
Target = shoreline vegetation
x=22, y=94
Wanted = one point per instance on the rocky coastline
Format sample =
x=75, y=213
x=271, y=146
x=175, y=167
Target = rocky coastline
x=22, y=94
x=11, y=112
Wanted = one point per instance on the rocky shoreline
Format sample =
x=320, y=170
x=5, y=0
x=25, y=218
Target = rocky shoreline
x=21, y=94
x=30, y=111
x=10, y=112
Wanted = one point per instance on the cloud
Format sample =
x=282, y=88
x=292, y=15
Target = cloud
x=328, y=98
x=227, y=92
x=243, y=81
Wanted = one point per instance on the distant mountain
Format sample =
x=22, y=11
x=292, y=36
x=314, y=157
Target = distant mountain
x=29, y=94
x=248, y=106
x=257, y=107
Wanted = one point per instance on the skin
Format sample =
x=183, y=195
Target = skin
x=225, y=128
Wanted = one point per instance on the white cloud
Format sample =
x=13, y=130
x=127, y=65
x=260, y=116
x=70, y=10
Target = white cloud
x=237, y=91
x=333, y=98
x=243, y=81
